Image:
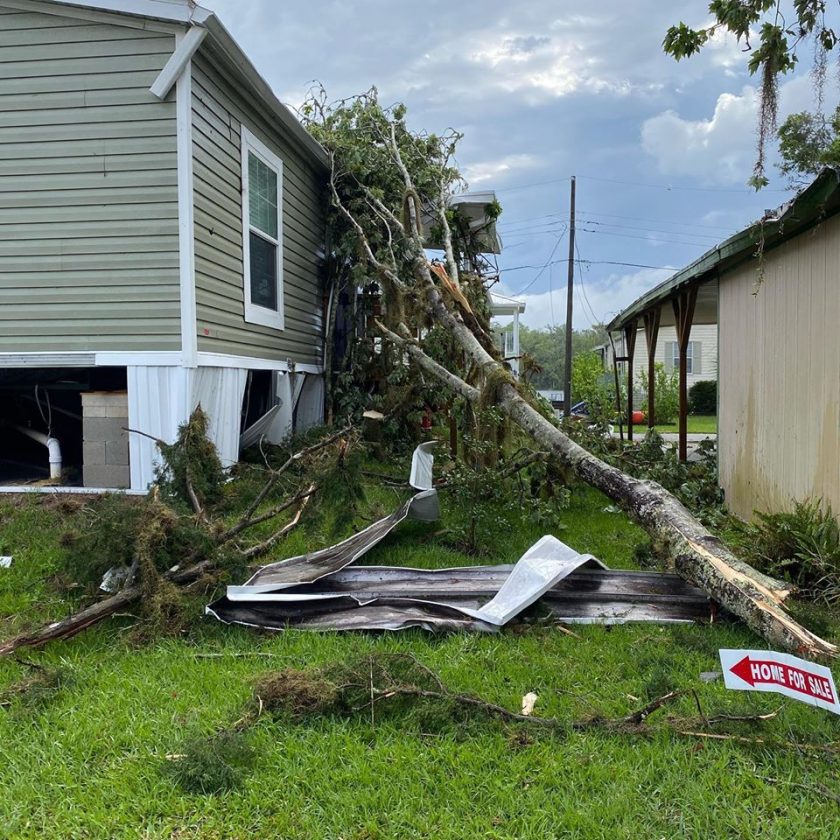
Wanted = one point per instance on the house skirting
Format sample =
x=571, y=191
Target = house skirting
x=162, y=394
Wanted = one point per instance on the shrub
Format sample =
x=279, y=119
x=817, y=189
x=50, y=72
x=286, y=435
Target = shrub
x=667, y=393
x=802, y=546
x=702, y=397
x=591, y=384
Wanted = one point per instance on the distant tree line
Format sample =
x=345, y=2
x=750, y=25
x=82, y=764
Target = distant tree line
x=547, y=348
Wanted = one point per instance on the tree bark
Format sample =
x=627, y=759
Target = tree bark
x=696, y=554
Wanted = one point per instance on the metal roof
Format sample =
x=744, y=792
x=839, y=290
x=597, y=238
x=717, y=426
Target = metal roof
x=501, y=305
x=818, y=200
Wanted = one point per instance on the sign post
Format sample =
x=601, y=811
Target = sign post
x=781, y=673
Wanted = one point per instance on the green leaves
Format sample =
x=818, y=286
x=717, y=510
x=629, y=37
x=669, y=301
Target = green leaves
x=779, y=38
x=681, y=41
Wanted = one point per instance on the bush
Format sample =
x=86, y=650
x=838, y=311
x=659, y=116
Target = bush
x=667, y=392
x=591, y=385
x=702, y=397
x=802, y=546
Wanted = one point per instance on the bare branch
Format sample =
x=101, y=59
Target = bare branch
x=267, y=545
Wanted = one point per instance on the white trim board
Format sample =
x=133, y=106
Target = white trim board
x=186, y=211
x=207, y=359
x=254, y=313
x=153, y=358
x=178, y=62
x=61, y=489
x=134, y=14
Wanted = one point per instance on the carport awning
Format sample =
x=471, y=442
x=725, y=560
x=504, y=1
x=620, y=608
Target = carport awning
x=820, y=199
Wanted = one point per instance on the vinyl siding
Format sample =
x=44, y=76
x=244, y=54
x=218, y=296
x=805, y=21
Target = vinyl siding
x=704, y=337
x=219, y=110
x=88, y=187
x=779, y=379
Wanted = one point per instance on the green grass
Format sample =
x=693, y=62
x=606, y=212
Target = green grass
x=701, y=424
x=86, y=762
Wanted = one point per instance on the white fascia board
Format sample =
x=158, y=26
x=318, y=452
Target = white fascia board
x=186, y=208
x=178, y=61
x=206, y=359
x=176, y=11
x=156, y=358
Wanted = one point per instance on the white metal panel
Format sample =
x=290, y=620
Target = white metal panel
x=158, y=402
x=310, y=407
x=219, y=391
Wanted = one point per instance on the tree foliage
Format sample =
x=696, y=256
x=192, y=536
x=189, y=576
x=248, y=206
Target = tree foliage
x=773, y=34
x=547, y=348
x=808, y=142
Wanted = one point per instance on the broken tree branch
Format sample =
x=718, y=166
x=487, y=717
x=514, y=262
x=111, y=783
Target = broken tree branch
x=267, y=545
x=696, y=554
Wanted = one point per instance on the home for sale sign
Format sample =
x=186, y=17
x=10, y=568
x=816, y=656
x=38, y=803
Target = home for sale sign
x=765, y=670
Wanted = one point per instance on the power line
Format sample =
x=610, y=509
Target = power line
x=547, y=264
x=657, y=221
x=672, y=187
x=645, y=238
x=644, y=184
x=593, y=262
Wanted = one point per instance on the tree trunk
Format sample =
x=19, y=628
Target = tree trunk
x=696, y=554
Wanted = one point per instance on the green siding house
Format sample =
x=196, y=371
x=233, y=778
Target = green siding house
x=162, y=237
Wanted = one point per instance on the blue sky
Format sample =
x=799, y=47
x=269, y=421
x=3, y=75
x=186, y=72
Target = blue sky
x=544, y=89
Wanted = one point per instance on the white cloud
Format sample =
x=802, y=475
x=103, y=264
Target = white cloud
x=718, y=149
x=721, y=149
x=496, y=170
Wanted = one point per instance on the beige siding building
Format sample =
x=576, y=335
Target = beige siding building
x=778, y=371
x=780, y=376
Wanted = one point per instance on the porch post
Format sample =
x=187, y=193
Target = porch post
x=684, y=314
x=630, y=331
x=515, y=360
x=651, y=319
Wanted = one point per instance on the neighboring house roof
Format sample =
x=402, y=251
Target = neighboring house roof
x=190, y=14
x=501, y=305
x=807, y=208
x=473, y=206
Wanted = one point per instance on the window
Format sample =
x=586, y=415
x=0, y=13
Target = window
x=689, y=356
x=262, y=226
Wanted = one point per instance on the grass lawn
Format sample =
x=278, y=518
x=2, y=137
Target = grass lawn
x=86, y=762
x=701, y=424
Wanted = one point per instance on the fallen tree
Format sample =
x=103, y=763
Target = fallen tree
x=391, y=191
x=184, y=497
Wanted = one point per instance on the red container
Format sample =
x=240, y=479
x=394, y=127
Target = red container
x=638, y=418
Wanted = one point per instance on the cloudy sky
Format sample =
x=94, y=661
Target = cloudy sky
x=544, y=89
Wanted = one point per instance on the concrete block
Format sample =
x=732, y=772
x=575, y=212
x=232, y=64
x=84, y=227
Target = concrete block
x=95, y=475
x=105, y=398
x=101, y=429
x=120, y=411
x=93, y=453
x=116, y=452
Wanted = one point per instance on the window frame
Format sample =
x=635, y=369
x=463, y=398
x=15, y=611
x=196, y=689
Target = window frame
x=254, y=313
x=689, y=357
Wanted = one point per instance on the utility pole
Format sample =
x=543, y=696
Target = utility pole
x=567, y=378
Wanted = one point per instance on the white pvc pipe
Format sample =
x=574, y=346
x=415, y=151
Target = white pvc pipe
x=53, y=447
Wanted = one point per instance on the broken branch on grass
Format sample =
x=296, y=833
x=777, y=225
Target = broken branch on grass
x=246, y=521
x=267, y=545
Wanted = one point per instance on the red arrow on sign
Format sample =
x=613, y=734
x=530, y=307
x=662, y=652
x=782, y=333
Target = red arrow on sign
x=753, y=671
